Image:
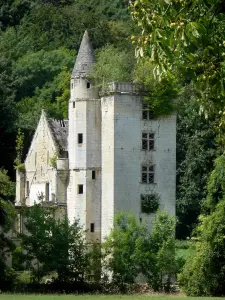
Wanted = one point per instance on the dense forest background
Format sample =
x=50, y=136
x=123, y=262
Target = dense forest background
x=39, y=40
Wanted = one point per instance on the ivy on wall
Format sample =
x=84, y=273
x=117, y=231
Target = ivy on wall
x=149, y=203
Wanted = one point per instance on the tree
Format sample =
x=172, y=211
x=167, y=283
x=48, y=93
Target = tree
x=187, y=37
x=120, y=248
x=197, y=147
x=160, y=96
x=112, y=65
x=155, y=254
x=7, y=217
x=131, y=249
x=53, y=245
x=204, y=273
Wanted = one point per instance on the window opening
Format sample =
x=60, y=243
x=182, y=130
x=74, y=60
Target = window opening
x=93, y=175
x=149, y=203
x=74, y=104
x=147, y=114
x=80, y=189
x=92, y=227
x=88, y=85
x=27, y=188
x=47, y=191
x=148, y=141
x=148, y=173
x=80, y=138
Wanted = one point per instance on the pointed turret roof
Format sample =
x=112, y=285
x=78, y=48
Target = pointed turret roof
x=85, y=58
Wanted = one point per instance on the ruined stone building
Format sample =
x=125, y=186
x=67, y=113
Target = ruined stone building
x=110, y=155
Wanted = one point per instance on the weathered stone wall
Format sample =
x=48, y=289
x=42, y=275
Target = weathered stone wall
x=122, y=157
x=42, y=178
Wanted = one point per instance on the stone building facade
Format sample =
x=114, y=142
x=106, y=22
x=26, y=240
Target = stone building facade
x=111, y=155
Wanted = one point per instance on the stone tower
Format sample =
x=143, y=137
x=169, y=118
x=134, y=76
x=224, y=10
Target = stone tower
x=84, y=140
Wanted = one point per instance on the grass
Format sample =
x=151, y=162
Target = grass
x=101, y=297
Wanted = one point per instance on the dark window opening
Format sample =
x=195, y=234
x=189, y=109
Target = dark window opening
x=147, y=113
x=74, y=104
x=93, y=175
x=72, y=85
x=80, y=138
x=47, y=191
x=28, y=188
x=148, y=141
x=88, y=85
x=80, y=189
x=92, y=227
x=140, y=219
x=148, y=174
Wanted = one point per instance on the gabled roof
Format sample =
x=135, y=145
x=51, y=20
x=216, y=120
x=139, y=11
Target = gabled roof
x=59, y=130
x=85, y=58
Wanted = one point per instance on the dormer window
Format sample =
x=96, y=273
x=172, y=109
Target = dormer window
x=88, y=85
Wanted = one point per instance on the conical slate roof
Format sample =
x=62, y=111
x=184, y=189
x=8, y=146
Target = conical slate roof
x=85, y=58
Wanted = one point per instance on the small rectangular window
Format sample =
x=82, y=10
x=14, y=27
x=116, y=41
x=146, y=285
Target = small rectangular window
x=147, y=113
x=80, y=189
x=27, y=188
x=148, y=141
x=74, y=104
x=93, y=175
x=92, y=227
x=80, y=138
x=88, y=85
x=148, y=174
x=47, y=191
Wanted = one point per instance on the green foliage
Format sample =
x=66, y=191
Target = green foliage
x=18, y=259
x=156, y=254
x=185, y=37
x=203, y=274
x=130, y=250
x=196, y=150
x=216, y=186
x=120, y=248
x=53, y=160
x=149, y=203
x=53, y=245
x=112, y=65
x=7, y=217
x=160, y=94
x=19, y=150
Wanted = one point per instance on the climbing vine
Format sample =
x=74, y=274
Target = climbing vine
x=149, y=203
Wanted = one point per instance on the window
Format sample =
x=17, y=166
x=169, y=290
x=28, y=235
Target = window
x=88, y=85
x=27, y=188
x=80, y=138
x=149, y=203
x=93, y=175
x=147, y=174
x=80, y=189
x=47, y=191
x=74, y=104
x=148, y=141
x=92, y=227
x=147, y=114
x=72, y=85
